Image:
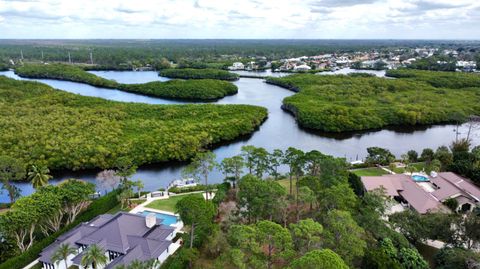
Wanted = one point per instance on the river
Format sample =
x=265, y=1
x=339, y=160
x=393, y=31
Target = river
x=279, y=131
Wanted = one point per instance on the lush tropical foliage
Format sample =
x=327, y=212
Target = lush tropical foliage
x=47, y=127
x=321, y=224
x=346, y=103
x=190, y=73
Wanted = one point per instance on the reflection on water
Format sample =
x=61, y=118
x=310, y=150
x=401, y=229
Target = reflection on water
x=280, y=130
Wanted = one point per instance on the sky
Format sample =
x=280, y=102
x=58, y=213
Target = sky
x=259, y=19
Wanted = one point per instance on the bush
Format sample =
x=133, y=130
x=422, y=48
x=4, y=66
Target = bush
x=451, y=203
x=97, y=207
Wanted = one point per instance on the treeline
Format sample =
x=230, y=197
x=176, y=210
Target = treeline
x=61, y=130
x=127, y=54
x=205, y=89
x=198, y=89
x=191, y=73
x=454, y=80
x=316, y=218
x=349, y=103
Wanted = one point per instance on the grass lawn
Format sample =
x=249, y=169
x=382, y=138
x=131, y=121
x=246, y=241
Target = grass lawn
x=286, y=184
x=116, y=209
x=169, y=204
x=371, y=171
x=420, y=166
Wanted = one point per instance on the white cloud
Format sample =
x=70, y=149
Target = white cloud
x=239, y=19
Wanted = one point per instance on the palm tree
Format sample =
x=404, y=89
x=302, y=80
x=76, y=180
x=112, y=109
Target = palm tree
x=62, y=253
x=139, y=186
x=39, y=176
x=95, y=256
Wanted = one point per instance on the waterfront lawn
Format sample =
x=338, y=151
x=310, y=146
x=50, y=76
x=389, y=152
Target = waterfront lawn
x=169, y=204
x=286, y=183
x=371, y=171
x=420, y=166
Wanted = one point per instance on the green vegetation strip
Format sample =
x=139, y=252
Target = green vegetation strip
x=349, y=103
x=97, y=207
x=39, y=124
x=454, y=80
x=169, y=204
x=205, y=89
x=201, y=89
x=372, y=171
x=190, y=73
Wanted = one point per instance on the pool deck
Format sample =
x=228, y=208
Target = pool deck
x=143, y=207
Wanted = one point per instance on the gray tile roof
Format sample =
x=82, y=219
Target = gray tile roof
x=124, y=233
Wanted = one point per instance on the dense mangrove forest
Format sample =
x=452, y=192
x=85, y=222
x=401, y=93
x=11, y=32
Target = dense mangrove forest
x=348, y=103
x=198, y=89
x=204, y=89
x=191, y=73
x=41, y=125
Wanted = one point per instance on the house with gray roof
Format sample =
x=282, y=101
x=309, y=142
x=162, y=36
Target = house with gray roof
x=125, y=237
x=425, y=193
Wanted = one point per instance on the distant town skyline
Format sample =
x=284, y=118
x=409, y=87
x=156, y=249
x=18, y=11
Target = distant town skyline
x=250, y=19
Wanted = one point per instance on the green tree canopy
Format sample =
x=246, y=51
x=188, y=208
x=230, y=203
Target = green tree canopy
x=319, y=259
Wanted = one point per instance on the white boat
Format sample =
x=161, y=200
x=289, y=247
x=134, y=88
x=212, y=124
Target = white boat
x=183, y=183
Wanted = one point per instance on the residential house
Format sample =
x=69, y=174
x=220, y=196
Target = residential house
x=125, y=237
x=427, y=193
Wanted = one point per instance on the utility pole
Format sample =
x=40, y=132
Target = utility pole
x=69, y=58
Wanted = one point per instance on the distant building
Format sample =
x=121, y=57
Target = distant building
x=302, y=67
x=237, y=66
x=426, y=193
x=125, y=237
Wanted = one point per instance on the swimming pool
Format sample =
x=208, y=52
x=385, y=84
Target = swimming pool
x=167, y=219
x=420, y=178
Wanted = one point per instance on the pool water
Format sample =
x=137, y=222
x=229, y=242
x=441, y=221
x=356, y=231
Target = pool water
x=419, y=178
x=167, y=219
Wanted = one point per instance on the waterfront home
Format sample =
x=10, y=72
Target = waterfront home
x=237, y=66
x=124, y=237
x=302, y=67
x=427, y=193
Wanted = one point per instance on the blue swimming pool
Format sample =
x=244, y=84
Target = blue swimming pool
x=419, y=178
x=167, y=219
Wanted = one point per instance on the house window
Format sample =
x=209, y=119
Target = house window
x=112, y=255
